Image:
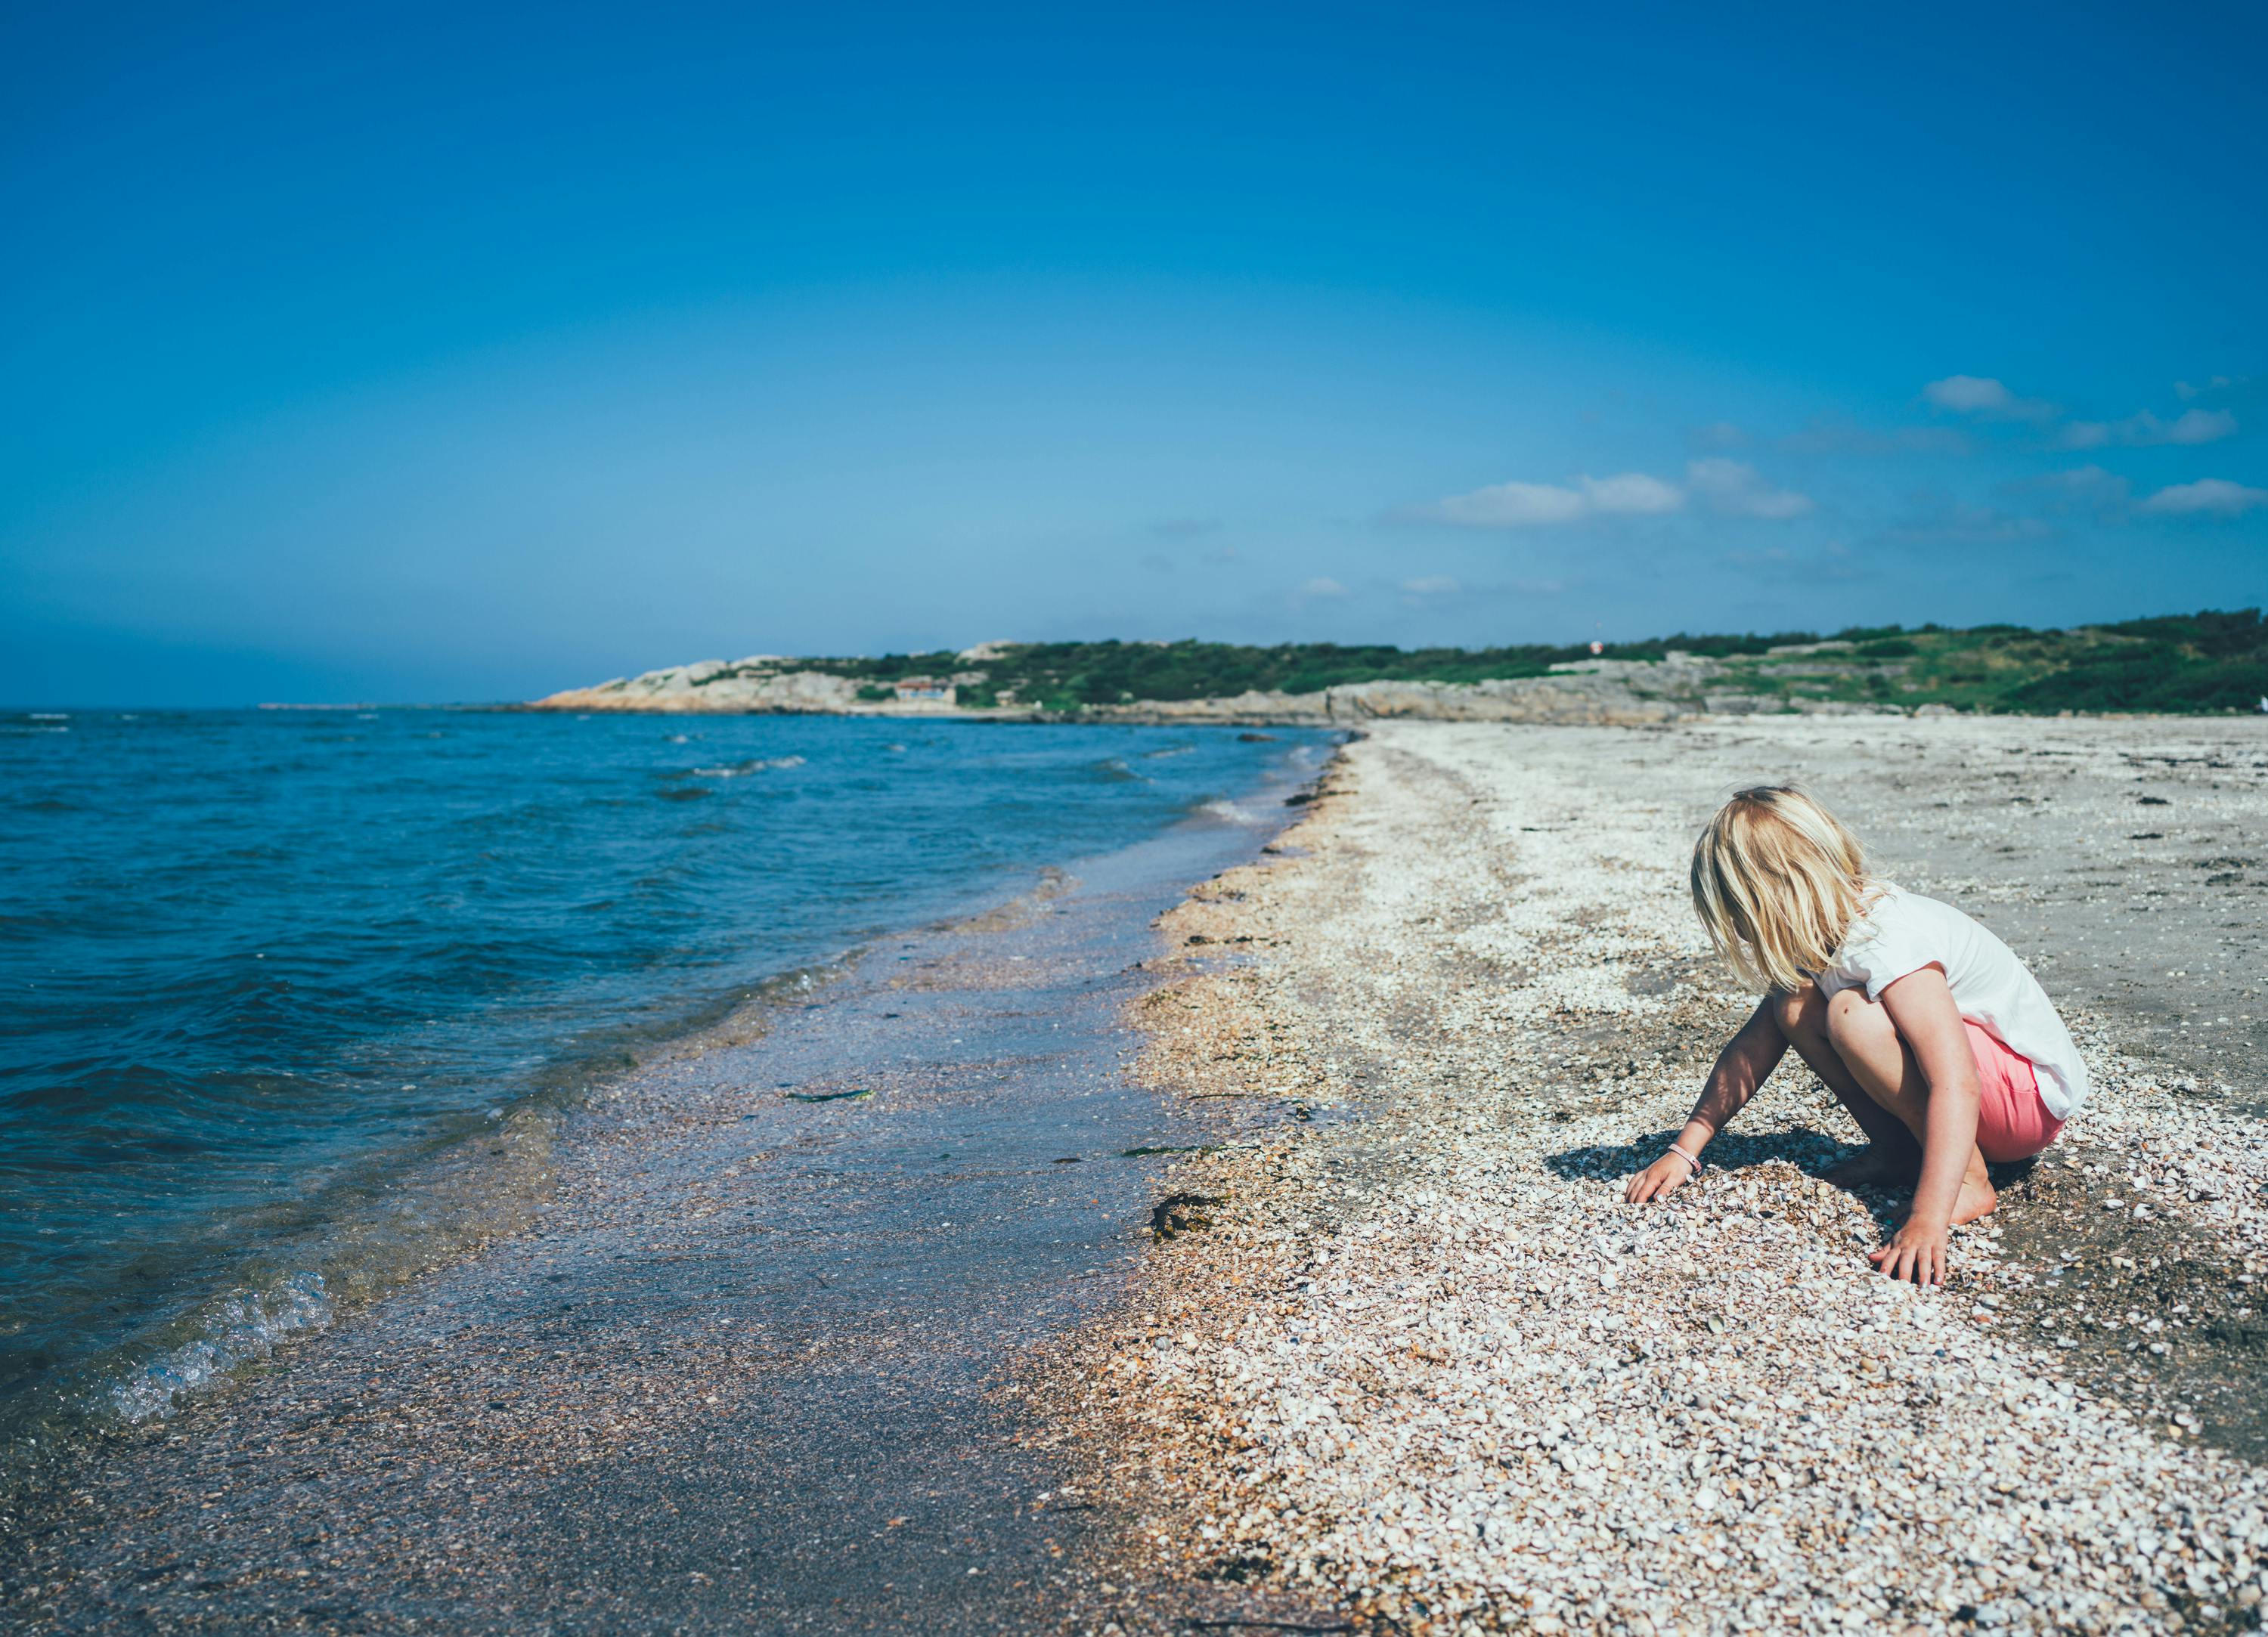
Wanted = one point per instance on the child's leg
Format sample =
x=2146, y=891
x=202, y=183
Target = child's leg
x=1893, y=1153
x=1868, y=1043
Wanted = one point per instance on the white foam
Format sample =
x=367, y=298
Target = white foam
x=237, y=1329
x=741, y=770
x=1228, y=813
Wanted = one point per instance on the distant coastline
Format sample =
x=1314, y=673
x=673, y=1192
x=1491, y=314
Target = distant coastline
x=2206, y=662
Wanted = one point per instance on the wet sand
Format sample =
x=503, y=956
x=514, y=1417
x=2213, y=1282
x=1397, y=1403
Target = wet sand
x=744, y=1375
x=1427, y=1366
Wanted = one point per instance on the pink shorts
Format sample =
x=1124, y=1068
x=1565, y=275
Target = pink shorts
x=2012, y=1121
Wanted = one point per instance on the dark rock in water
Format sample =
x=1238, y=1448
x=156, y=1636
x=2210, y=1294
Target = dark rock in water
x=1299, y=798
x=828, y=1097
x=1180, y=1212
x=1257, y=738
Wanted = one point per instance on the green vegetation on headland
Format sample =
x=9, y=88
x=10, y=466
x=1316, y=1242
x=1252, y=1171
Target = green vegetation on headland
x=2182, y=663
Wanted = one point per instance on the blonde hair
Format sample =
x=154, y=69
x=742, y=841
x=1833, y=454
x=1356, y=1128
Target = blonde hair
x=1777, y=882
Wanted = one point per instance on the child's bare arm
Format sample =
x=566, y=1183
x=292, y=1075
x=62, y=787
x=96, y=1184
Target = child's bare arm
x=1746, y=1062
x=1921, y=1006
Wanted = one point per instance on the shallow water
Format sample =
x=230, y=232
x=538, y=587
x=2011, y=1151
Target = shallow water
x=299, y=995
x=754, y=1362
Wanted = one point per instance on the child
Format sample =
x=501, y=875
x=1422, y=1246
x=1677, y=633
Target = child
x=1936, y=1038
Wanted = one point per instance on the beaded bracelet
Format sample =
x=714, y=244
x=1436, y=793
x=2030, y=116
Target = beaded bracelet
x=1694, y=1161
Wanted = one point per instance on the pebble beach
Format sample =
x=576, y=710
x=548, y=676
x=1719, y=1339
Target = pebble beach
x=1403, y=1359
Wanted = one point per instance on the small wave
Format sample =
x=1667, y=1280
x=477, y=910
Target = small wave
x=742, y=770
x=1169, y=750
x=49, y=716
x=1228, y=813
x=238, y=1330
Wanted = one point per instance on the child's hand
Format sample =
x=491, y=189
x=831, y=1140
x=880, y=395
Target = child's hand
x=1657, y=1181
x=1914, y=1253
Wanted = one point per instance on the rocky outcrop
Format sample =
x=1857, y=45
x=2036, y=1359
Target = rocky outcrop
x=760, y=684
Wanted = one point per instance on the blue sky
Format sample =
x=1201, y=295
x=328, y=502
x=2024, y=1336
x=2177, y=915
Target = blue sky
x=409, y=353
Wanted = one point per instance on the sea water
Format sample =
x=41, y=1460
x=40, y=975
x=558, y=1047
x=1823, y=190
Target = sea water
x=298, y=1000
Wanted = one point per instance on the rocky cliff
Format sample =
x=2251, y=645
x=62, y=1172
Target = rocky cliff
x=760, y=686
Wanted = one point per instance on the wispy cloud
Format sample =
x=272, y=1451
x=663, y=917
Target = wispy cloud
x=1511, y=506
x=1987, y=399
x=1536, y=505
x=2207, y=496
x=1730, y=488
x=1983, y=395
x=1184, y=528
x=1322, y=586
x=2138, y=431
x=1631, y=493
x=2186, y=390
x=1735, y=489
x=1431, y=586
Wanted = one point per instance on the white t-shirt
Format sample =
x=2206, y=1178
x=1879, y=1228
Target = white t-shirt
x=1901, y=932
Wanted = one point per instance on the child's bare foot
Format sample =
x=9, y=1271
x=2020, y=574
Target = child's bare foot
x=1877, y=1164
x=1978, y=1198
x=1975, y=1199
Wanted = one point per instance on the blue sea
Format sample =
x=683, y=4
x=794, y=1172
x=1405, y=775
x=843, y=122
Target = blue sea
x=300, y=1000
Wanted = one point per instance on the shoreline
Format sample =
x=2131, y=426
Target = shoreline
x=622, y=889
x=738, y=1368
x=1425, y=1367
x=466, y=1187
